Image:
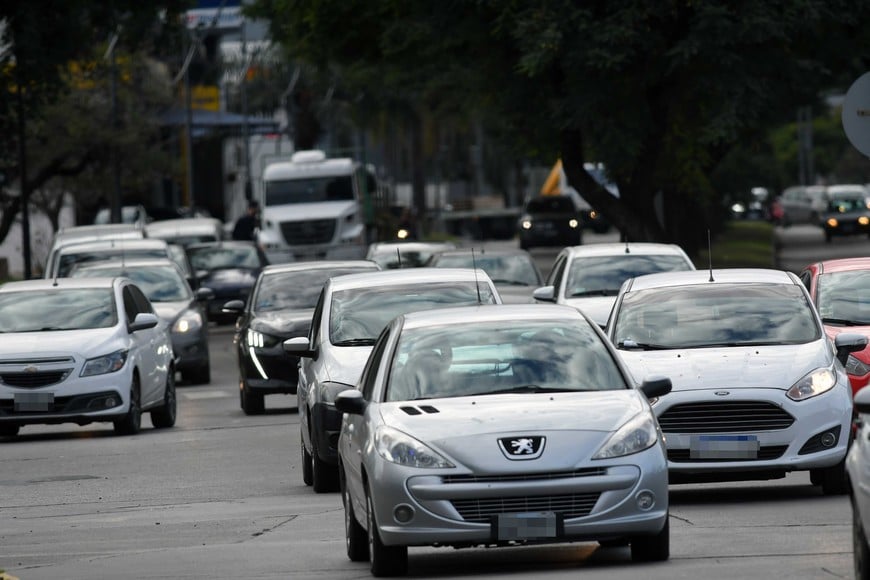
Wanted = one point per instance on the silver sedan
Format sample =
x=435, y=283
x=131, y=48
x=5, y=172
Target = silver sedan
x=499, y=426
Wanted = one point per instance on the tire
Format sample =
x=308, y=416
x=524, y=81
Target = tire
x=9, y=430
x=356, y=538
x=386, y=560
x=198, y=376
x=834, y=480
x=656, y=548
x=617, y=543
x=307, y=476
x=131, y=423
x=164, y=416
x=324, y=477
x=861, y=551
x=816, y=476
x=252, y=404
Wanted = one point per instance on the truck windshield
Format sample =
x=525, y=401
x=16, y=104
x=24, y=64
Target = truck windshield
x=333, y=188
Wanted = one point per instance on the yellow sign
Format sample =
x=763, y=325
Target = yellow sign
x=205, y=98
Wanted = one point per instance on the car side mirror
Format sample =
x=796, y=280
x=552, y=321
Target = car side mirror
x=351, y=401
x=655, y=387
x=143, y=321
x=862, y=401
x=204, y=294
x=233, y=307
x=545, y=294
x=848, y=343
x=299, y=346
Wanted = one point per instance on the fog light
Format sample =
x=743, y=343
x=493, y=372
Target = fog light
x=403, y=513
x=111, y=402
x=646, y=500
x=828, y=439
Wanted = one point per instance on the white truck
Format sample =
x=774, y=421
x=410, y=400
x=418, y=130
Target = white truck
x=315, y=208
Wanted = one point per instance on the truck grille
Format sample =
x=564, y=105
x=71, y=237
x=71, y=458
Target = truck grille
x=725, y=417
x=570, y=506
x=308, y=232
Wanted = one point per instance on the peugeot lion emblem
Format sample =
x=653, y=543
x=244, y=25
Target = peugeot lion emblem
x=523, y=447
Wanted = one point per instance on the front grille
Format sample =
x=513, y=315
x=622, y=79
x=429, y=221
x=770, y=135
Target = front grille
x=764, y=454
x=589, y=472
x=66, y=405
x=570, y=506
x=725, y=417
x=34, y=380
x=308, y=232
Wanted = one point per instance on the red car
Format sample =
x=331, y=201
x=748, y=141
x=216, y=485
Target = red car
x=841, y=292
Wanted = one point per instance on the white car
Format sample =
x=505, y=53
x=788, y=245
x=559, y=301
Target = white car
x=81, y=351
x=858, y=472
x=186, y=231
x=758, y=388
x=350, y=314
x=499, y=426
x=589, y=277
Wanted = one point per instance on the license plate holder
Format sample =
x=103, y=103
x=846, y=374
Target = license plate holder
x=33, y=402
x=527, y=526
x=736, y=447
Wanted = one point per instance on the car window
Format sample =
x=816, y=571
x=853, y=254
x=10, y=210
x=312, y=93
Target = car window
x=555, y=276
x=845, y=296
x=70, y=258
x=295, y=290
x=716, y=315
x=492, y=358
x=517, y=269
x=603, y=276
x=131, y=309
x=142, y=303
x=316, y=319
x=847, y=204
x=221, y=257
x=160, y=284
x=370, y=372
x=61, y=309
x=551, y=204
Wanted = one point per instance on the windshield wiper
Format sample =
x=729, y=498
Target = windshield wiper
x=630, y=344
x=842, y=321
x=355, y=342
x=527, y=389
x=601, y=292
x=509, y=282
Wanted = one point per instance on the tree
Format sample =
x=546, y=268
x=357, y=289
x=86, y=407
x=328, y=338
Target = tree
x=659, y=92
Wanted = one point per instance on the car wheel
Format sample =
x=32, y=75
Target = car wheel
x=307, y=478
x=816, y=476
x=834, y=479
x=616, y=543
x=386, y=560
x=252, y=404
x=9, y=430
x=524, y=245
x=131, y=423
x=324, y=477
x=164, y=416
x=655, y=548
x=355, y=536
x=198, y=376
x=859, y=546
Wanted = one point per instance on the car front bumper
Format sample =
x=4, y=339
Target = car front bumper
x=269, y=370
x=190, y=349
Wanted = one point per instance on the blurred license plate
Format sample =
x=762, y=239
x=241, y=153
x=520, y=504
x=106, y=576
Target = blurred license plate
x=31, y=402
x=723, y=447
x=527, y=526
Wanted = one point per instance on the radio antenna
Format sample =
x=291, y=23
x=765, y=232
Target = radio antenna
x=399, y=258
x=710, y=255
x=476, y=282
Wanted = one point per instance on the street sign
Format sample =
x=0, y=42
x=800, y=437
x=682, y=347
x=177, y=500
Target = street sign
x=856, y=114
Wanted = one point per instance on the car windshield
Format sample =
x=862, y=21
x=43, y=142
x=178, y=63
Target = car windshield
x=158, y=283
x=715, y=315
x=332, y=188
x=847, y=204
x=295, y=290
x=69, y=259
x=60, y=309
x=411, y=257
x=361, y=313
x=543, y=356
x=604, y=275
x=223, y=257
x=551, y=204
x=516, y=269
x=844, y=297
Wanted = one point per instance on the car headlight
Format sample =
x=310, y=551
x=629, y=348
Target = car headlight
x=815, y=383
x=572, y=223
x=638, y=434
x=190, y=321
x=855, y=367
x=105, y=364
x=832, y=222
x=257, y=339
x=397, y=447
x=526, y=224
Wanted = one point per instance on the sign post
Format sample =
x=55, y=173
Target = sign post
x=856, y=114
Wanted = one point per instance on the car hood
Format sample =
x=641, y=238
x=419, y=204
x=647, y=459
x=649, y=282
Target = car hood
x=283, y=322
x=169, y=311
x=344, y=364
x=230, y=278
x=467, y=429
x=595, y=307
x=775, y=367
x=84, y=343
x=309, y=211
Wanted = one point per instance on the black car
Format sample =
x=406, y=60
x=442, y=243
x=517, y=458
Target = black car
x=280, y=307
x=230, y=269
x=551, y=220
x=846, y=215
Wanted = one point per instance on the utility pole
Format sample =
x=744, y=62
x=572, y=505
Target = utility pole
x=246, y=132
x=188, y=122
x=115, y=198
x=22, y=162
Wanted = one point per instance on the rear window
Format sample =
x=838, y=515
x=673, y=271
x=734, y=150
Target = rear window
x=554, y=204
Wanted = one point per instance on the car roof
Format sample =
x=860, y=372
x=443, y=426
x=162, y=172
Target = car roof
x=409, y=275
x=484, y=253
x=844, y=265
x=723, y=276
x=380, y=246
x=127, y=263
x=222, y=244
x=184, y=226
x=617, y=249
x=839, y=189
x=144, y=243
x=505, y=313
x=320, y=265
x=59, y=283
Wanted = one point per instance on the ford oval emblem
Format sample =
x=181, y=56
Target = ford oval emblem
x=722, y=393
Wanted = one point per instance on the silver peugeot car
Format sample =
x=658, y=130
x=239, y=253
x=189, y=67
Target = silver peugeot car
x=499, y=426
x=758, y=389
